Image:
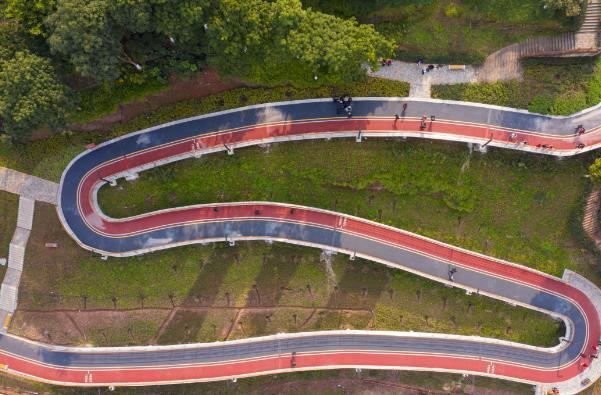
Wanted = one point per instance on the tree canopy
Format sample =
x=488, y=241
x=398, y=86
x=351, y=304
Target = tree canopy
x=279, y=41
x=262, y=41
x=82, y=32
x=29, y=14
x=30, y=95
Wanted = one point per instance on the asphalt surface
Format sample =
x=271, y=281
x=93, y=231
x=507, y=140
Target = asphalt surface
x=332, y=231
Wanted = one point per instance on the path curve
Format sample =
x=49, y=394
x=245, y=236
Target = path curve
x=229, y=130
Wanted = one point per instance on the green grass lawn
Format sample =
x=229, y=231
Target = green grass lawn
x=550, y=86
x=450, y=31
x=513, y=206
x=283, y=279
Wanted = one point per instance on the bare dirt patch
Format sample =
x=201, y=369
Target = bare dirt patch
x=47, y=327
x=130, y=327
x=102, y=328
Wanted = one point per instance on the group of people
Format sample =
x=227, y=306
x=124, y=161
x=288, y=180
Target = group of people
x=427, y=69
x=385, y=62
x=346, y=104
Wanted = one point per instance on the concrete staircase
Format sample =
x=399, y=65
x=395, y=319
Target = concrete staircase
x=8, y=298
x=548, y=46
x=16, y=256
x=505, y=65
x=9, y=290
x=591, y=18
x=25, y=215
x=502, y=65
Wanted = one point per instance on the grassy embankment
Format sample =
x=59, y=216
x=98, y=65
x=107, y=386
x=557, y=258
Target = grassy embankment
x=550, y=86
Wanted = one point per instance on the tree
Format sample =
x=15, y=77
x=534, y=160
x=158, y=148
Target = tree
x=11, y=41
x=570, y=7
x=182, y=20
x=30, y=95
x=334, y=47
x=279, y=42
x=30, y=14
x=239, y=35
x=84, y=33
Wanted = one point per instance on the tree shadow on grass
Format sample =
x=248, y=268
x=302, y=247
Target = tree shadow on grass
x=360, y=285
x=278, y=267
x=204, y=292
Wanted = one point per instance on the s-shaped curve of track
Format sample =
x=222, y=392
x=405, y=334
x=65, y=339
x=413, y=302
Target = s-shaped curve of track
x=313, y=119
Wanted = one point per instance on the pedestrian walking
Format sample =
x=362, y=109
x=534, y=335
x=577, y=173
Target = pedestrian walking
x=423, y=71
x=580, y=129
x=404, y=107
x=348, y=110
x=452, y=274
x=420, y=61
x=388, y=62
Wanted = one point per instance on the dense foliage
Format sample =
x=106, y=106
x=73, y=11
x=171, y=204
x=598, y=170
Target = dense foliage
x=262, y=41
x=293, y=43
x=31, y=95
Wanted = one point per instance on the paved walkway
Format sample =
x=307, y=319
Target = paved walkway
x=9, y=290
x=421, y=83
x=31, y=187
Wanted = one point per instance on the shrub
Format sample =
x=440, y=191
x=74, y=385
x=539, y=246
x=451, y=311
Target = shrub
x=594, y=171
x=568, y=103
x=541, y=104
x=451, y=10
x=593, y=86
x=504, y=94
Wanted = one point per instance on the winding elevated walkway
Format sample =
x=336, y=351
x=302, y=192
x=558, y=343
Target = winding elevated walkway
x=568, y=365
